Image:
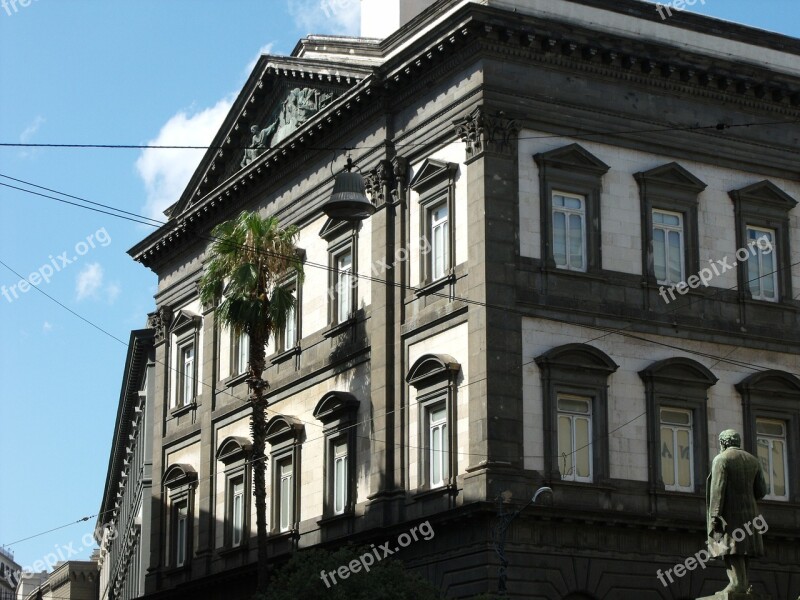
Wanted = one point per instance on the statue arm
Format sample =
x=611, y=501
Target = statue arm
x=760, y=488
x=716, y=502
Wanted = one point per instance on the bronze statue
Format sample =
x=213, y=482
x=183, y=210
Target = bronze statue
x=735, y=484
x=261, y=142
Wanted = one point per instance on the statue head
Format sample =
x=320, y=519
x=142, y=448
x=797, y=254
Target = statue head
x=254, y=129
x=730, y=438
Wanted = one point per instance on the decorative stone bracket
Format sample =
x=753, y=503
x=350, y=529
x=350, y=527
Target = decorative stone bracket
x=159, y=321
x=386, y=179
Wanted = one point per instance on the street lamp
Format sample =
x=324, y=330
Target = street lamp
x=504, y=520
x=349, y=200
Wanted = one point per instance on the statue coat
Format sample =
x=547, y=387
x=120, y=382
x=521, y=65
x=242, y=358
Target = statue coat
x=735, y=484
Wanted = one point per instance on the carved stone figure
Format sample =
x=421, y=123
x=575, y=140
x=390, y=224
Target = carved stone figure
x=735, y=484
x=261, y=141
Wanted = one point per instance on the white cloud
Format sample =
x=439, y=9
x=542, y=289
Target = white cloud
x=47, y=327
x=336, y=17
x=89, y=281
x=31, y=129
x=166, y=172
x=265, y=49
x=90, y=284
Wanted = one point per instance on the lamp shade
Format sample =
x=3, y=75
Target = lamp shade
x=349, y=200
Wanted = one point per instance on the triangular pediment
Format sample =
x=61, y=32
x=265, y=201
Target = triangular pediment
x=573, y=157
x=432, y=172
x=765, y=193
x=183, y=320
x=670, y=176
x=286, y=100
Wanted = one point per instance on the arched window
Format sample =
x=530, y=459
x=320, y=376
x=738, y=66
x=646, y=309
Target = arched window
x=337, y=411
x=234, y=452
x=771, y=417
x=575, y=406
x=285, y=434
x=434, y=377
x=180, y=481
x=677, y=423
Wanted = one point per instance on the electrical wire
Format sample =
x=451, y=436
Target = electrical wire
x=155, y=223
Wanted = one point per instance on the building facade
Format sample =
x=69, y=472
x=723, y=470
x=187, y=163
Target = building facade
x=123, y=522
x=9, y=574
x=579, y=272
x=69, y=580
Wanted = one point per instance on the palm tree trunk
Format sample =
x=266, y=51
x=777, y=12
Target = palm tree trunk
x=258, y=427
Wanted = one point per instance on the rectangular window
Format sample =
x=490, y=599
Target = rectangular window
x=344, y=285
x=237, y=510
x=241, y=352
x=575, y=437
x=677, y=454
x=440, y=241
x=762, y=276
x=668, y=261
x=290, y=329
x=771, y=448
x=569, y=231
x=181, y=533
x=339, y=477
x=285, y=494
x=438, y=446
x=187, y=378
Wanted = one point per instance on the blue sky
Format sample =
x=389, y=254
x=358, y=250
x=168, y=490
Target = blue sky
x=119, y=72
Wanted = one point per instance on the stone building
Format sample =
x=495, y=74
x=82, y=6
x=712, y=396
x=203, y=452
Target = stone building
x=9, y=574
x=123, y=522
x=70, y=580
x=525, y=308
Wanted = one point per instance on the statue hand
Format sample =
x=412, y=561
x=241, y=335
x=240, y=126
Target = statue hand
x=717, y=525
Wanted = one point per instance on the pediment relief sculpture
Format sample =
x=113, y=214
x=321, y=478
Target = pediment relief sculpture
x=299, y=106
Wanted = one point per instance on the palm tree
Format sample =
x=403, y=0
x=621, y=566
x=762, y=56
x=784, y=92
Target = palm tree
x=250, y=257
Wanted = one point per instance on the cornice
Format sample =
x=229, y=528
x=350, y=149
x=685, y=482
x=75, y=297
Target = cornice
x=474, y=30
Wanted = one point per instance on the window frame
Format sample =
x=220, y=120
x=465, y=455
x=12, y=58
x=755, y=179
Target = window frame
x=284, y=434
x=667, y=229
x=785, y=459
x=338, y=412
x=679, y=383
x=576, y=370
x=435, y=184
x=340, y=236
x=764, y=205
x=185, y=331
x=234, y=453
x=776, y=284
x=773, y=395
x=236, y=352
x=670, y=188
x=282, y=342
x=674, y=428
x=567, y=212
x=574, y=170
x=179, y=484
x=572, y=415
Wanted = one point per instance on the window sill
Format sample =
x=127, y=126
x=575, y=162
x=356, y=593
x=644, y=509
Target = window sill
x=235, y=380
x=284, y=355
x=444, y=490
x=339, y=328
x=230, y=550
x=277, y=536
x=432, y=286
x=186, y=408
x=175, y=570
x=348, y=514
